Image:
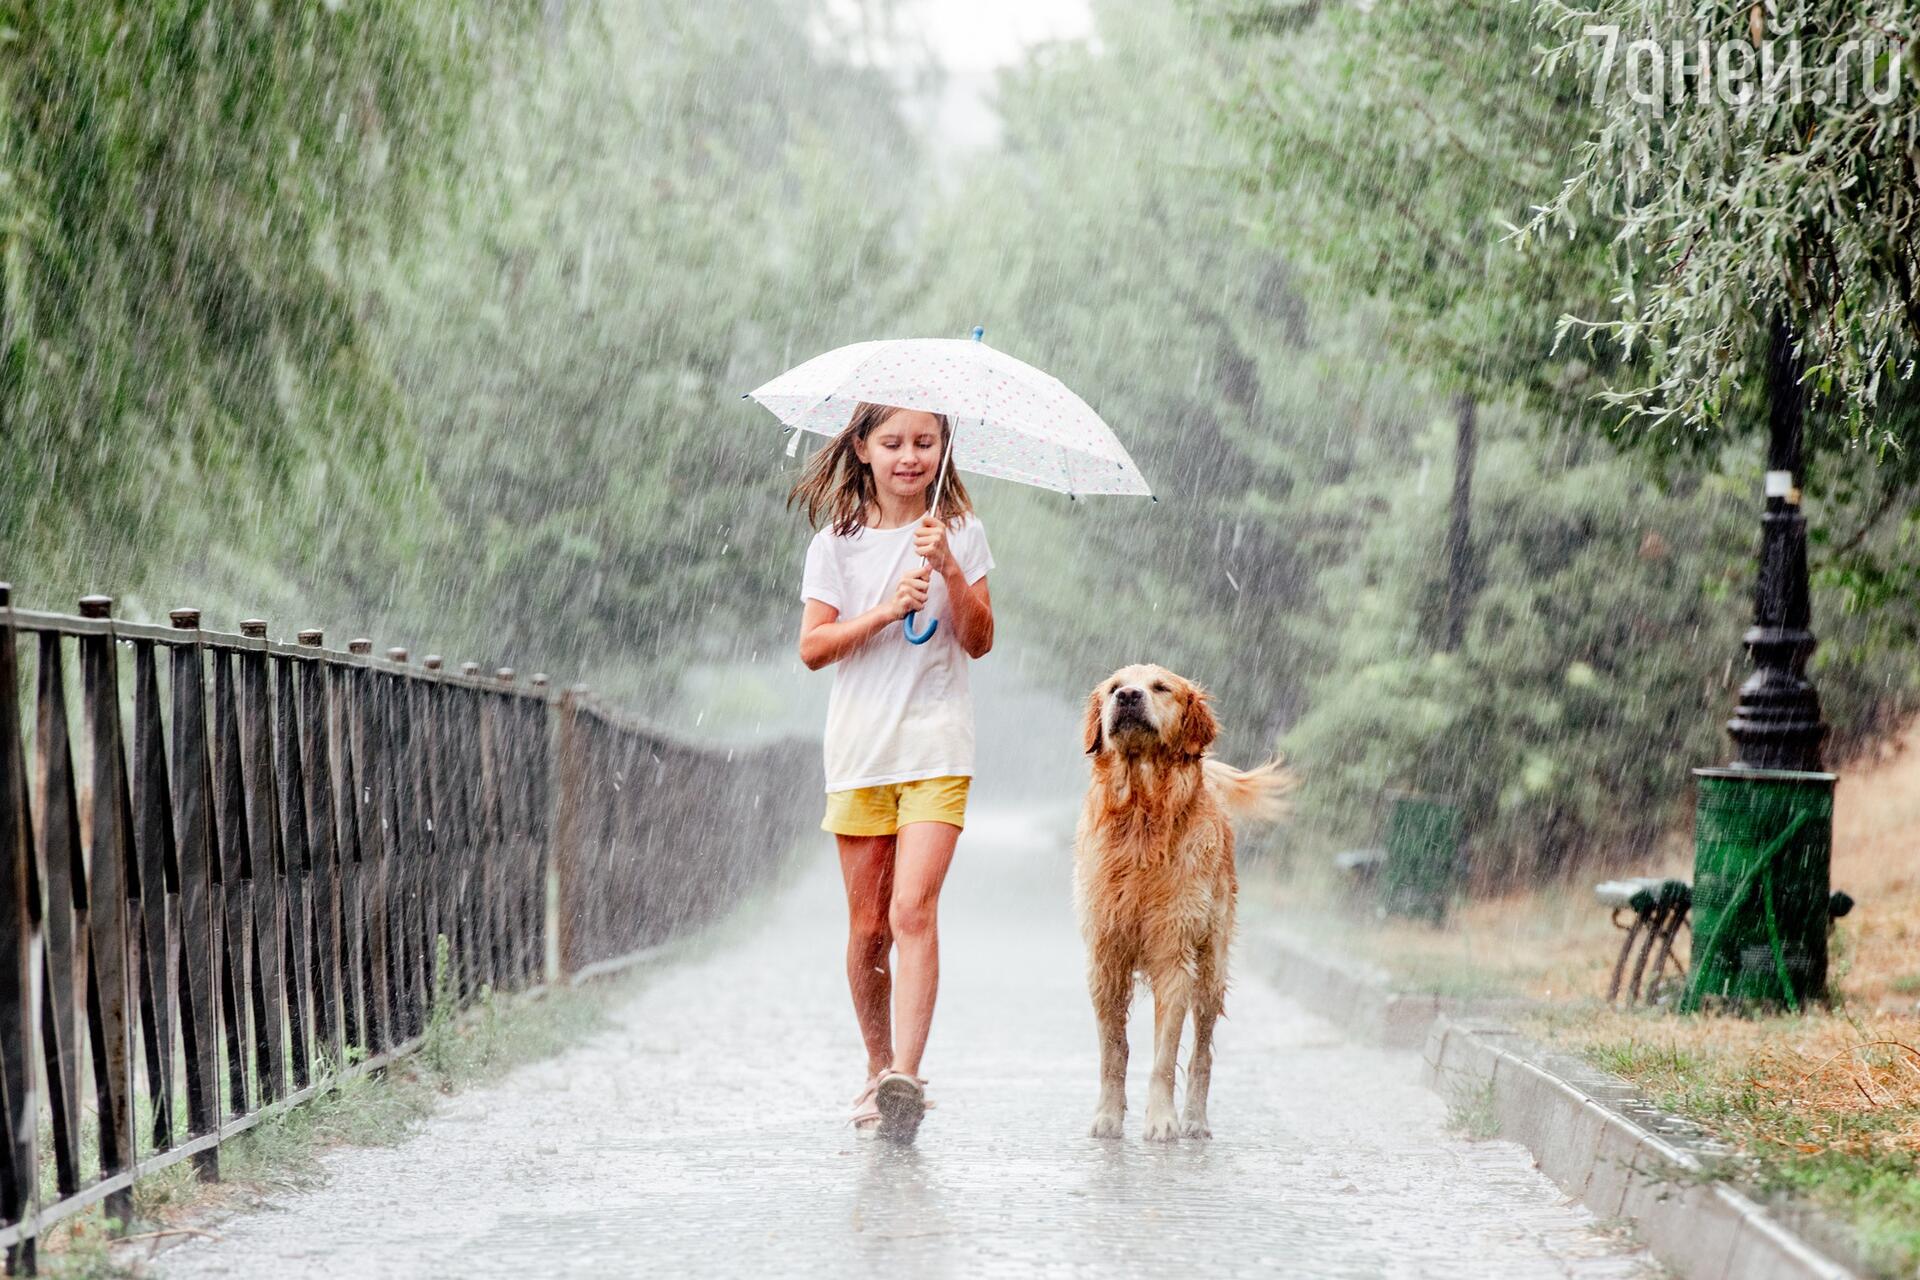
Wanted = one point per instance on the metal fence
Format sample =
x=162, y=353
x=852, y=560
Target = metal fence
x=295, y=858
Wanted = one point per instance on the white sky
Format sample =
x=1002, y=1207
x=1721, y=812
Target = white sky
x=980, y=35
x=968, y=39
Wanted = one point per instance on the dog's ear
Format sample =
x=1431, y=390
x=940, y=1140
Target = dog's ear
x=1198, y=727
x=1095, y=739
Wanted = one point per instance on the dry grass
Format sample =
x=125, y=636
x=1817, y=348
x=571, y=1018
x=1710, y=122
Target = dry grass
x=1855, y=1082
x=1876, y=858
x=1823, y=1108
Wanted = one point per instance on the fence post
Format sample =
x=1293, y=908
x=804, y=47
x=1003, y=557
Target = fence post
x=566, y=828
x=269, y=867
x=540, y=809
x=463, y=778
x=403, y=852
x=160, y=888
x=437, y=842
x=317, y=733
x=114, y=879
x=233, y=872
x=356, y=906
x=194, y=846
x=373, y=768
x=511, y=961
x=297, y=860
x=64, y=909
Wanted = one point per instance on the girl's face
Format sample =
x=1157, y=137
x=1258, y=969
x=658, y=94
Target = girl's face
x=903, y=452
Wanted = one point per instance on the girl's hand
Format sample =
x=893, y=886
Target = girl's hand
x=911, y=595
x=930, y=542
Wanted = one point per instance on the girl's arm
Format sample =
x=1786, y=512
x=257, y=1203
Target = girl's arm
x=972, y=606
x=824, y=639
x=972, y=611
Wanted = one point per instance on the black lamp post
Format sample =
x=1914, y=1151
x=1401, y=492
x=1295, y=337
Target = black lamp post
x=1777, y=723
x=1763, y=828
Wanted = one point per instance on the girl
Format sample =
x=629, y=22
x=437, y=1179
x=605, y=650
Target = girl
x=899, y=739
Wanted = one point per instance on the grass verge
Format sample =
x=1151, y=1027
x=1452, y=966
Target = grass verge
x=1822, y=1108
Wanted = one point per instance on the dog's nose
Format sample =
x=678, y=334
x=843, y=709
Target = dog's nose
x=1128, y=697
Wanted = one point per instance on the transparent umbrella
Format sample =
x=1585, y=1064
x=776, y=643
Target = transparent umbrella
x=1010, y=420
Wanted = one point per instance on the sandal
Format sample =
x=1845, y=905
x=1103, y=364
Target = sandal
x=902, y=1102
x=866, y=1115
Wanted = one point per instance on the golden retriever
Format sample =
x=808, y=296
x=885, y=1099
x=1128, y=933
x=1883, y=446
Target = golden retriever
x=1155, y=884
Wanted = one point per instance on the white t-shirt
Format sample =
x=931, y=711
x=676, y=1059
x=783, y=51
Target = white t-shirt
x=899, y=712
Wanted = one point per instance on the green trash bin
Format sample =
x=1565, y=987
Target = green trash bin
x=1423, y=850
x=1761, y=847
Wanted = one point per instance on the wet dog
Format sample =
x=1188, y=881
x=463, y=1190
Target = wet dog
x=1155, y=883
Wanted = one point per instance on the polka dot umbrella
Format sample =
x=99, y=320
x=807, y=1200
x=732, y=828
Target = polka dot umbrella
x=1010, y=420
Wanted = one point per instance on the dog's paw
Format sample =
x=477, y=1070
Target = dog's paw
x=1195, y=1129
x=1160, y=1127
x=1106, y=1124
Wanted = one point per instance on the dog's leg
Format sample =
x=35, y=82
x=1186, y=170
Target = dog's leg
x=1210, y=990
x=1111, y=984
x=1172, y=991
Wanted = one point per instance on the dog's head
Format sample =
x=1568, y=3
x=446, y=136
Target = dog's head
x=1144, y=708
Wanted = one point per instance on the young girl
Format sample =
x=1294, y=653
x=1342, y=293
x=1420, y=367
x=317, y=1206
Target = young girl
x=899, y=739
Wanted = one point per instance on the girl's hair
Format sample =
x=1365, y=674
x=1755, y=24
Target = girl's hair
x=837, y=485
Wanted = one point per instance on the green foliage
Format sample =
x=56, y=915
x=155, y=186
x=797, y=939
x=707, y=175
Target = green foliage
x=1590, y=672
x=433, y=318
x=1473, y=1112
x=1106, y=242
x=1798, y=198
x=670, y=206
x=182, y=187
x=1296, y=560
x=1392, y=148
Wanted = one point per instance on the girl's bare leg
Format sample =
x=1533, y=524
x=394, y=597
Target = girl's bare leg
x=866, y=864
x=920, y=868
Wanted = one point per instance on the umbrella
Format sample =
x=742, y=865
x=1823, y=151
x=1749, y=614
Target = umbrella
x=1009, y=419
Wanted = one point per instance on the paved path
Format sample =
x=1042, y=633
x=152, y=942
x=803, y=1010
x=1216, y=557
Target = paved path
x=703, y=1135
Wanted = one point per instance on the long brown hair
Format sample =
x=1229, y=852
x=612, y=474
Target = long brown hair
x=838, y=486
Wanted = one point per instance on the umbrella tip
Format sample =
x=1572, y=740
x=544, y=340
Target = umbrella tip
x=979, y=332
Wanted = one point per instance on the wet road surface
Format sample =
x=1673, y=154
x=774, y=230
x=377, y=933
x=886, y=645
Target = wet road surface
x=704, y=1134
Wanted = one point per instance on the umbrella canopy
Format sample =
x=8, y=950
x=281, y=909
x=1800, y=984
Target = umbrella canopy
x=1010, y=420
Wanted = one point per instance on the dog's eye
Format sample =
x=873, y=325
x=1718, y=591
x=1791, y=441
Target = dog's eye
x=1160, y=686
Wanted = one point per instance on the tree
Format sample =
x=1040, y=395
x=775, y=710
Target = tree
x=1107, y=241
x=669, y=207
x=1396, y=148
x=1748, y=186
x=183, y=187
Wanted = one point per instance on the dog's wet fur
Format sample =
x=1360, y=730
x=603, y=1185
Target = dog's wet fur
x=1155, y=883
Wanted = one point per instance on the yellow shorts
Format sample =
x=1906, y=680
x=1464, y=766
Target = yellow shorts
x=883, y=810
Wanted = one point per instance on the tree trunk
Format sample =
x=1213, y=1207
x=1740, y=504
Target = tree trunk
x=1459, y=536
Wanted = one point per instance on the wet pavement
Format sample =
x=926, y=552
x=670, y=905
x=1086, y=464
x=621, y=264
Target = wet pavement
x=704, y=1134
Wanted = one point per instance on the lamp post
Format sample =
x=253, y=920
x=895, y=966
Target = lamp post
x=1763, y=828
x=1777, y=723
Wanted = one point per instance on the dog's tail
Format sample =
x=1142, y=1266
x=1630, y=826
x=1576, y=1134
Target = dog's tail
x=1251, y=793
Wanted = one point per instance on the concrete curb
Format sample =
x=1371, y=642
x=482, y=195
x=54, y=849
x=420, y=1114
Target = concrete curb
x=1357, y=997
x=1588, y=1131
x=1706, y=1229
